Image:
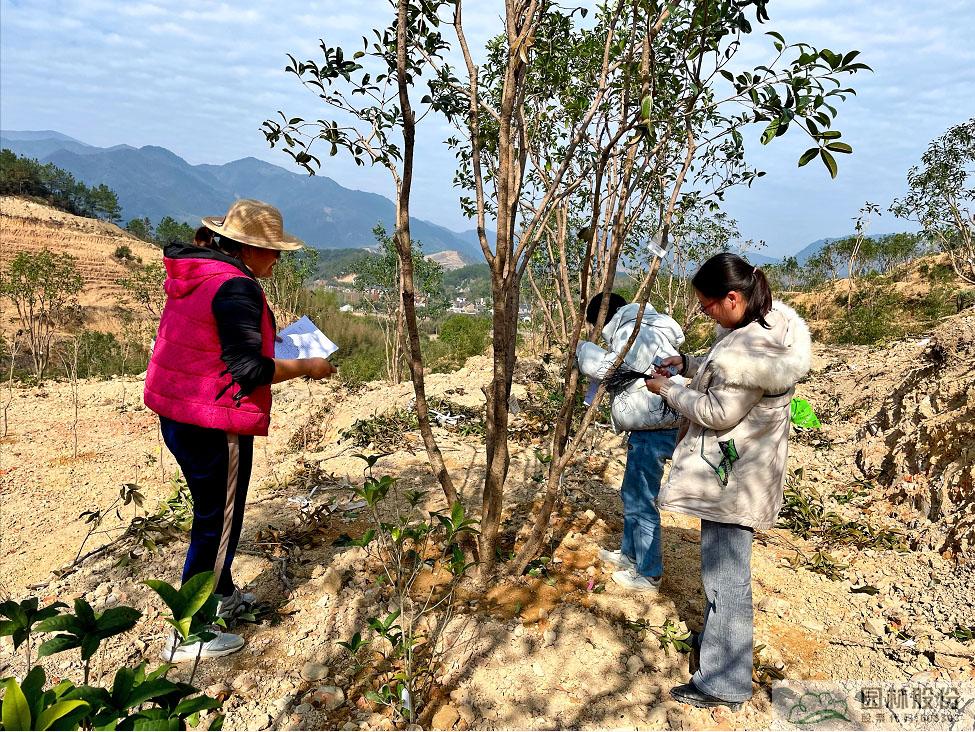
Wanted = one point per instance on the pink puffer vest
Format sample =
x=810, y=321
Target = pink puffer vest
x=184, y=381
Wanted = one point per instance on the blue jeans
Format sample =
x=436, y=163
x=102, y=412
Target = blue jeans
x=646, y=453
x=726, y=638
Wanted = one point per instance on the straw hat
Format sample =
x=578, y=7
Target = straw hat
x=256, y=223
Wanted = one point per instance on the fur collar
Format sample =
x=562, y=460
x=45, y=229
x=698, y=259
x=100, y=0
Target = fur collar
x=771, y=359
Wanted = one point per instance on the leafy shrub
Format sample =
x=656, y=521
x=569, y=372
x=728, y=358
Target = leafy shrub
x=460, y=338
x=876, y=316
x=137, y=698
x=421, y=561
x=124, y=252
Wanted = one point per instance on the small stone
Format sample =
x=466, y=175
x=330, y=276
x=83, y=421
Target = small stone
x=634, y=664
x=350, y=726
x=467, y=713
x=519, y=630
x=538, y=670
x=331, y=581
x=549, y=637
x=590, y=514
x=312, y=671
x=446, y=717
x=244, y=683
x=461, y=695
x=876, y=627
x=330, y=697
x=303, y=708
x=219, y=691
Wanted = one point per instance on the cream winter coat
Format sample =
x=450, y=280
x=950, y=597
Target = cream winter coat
x=660, y=335
x=741, y=390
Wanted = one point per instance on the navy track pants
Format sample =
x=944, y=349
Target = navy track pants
x=217, y=468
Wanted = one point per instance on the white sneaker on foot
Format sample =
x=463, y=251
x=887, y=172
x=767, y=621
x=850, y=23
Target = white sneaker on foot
x=222, y=645
x=632, y=580
x=617, y=558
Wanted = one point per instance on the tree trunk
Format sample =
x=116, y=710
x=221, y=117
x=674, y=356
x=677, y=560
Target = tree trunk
x=404, y=249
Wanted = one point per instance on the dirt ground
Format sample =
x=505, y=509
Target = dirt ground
x=566, y=650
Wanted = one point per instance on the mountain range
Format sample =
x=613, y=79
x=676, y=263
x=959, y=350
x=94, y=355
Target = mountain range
x=154, y=182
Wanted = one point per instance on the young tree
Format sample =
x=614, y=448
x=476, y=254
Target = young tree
x=369, y=110
x=286, y=287
x=44, y=288
x=619, y=127
x=144, y=288
x=141, y=229
x=377, y=277
x=857, y=249
x=942, y=196
x=642, y=116
x=169, y=230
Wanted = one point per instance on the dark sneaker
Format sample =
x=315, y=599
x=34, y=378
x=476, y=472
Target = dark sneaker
x=238, y=603
x=690, y=694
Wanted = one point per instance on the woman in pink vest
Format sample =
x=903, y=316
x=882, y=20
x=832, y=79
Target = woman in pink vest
x=209, y=380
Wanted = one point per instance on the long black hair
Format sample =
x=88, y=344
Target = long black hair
x=728, y=272
x=595, y=304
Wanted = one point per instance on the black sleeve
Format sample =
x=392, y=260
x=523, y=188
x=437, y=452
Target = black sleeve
x=238, y=309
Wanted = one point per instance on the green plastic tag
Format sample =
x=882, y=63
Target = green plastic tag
x=803, y=415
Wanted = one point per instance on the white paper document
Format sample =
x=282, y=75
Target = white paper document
x=303, y=339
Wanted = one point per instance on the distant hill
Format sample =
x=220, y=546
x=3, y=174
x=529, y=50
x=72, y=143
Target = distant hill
x=155, y=182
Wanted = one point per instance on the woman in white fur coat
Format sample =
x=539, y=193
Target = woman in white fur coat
x=730, y=464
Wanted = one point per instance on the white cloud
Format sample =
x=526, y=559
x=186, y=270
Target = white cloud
x=200, y=77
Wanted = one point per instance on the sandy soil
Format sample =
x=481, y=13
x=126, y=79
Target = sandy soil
x=574, y=651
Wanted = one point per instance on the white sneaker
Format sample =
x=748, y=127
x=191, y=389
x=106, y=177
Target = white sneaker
x=617, y=558
x=223, y=645
x=632, y=580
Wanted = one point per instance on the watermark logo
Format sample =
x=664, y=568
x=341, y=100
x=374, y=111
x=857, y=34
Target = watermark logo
x=873, y=705
x=815, y=708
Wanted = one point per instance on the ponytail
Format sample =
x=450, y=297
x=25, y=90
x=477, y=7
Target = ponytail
x=726, y=272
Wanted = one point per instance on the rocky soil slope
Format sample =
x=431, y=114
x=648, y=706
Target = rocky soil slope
x=877, y=592
x=29, y=226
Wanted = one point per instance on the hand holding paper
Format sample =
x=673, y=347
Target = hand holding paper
x=303, y=339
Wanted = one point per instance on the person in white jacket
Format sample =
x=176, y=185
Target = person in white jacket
x=651, y=426
x=730, y=464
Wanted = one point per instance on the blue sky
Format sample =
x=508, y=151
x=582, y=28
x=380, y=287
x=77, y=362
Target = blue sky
x=200, y=77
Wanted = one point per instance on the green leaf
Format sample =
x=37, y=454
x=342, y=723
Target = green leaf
x=58, y=623
x=195, y=592
x=802, y=414
x=840, y=147
x=84, y=612
x=57, y=645
x=770, y=131
x=830, y=162
x=16, y=713
x=117, y=620
x=808, y=155
x=53, y=713
x=195, y=704
x=89, y=644
x=169, y=595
